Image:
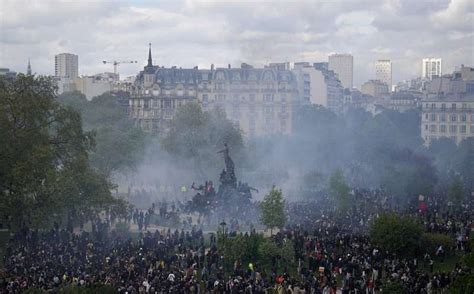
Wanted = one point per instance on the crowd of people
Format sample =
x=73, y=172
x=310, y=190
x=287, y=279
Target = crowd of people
x=332, y=252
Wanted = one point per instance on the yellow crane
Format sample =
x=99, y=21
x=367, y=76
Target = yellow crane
x=117, y=63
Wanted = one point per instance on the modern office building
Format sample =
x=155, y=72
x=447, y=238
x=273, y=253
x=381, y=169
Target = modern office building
x=66, y=65
x=343, y=67
x=431, y=67
x=383, y=72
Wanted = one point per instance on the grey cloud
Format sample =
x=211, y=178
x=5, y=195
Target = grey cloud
x=188, y=33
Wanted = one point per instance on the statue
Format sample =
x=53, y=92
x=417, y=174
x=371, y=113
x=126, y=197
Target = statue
x=227, y=176
x=230, y=199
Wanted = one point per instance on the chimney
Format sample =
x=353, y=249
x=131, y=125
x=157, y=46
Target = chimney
x=228, y=66
x=212, y=66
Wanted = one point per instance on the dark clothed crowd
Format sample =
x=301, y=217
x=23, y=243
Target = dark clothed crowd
x=332, y=252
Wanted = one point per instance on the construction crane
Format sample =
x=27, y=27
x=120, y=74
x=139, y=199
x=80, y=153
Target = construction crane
x=117, y=63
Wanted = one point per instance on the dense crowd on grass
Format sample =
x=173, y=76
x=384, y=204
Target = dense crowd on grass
x=330, y=251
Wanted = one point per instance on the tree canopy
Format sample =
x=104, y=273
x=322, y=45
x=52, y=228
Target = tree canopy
x=120, y=146
x=396, y=234
x=196, y=135
x=44, y=168
x=273, y=209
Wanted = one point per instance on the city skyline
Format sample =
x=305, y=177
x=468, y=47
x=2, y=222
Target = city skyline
x=195, y=33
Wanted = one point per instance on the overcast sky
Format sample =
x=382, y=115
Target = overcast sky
x=189, y=33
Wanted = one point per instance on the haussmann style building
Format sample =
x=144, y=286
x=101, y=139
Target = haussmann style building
x=260, y=101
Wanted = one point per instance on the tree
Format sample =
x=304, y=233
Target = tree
x=406, y=173
x=44, y=169
x=462, y=161
x=340, y=191
x=396, y=234
x=119, y=145
x=195, y=136
x=273, y=209
x=456, y=190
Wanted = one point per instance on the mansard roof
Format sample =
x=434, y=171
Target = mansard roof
x=176, y=75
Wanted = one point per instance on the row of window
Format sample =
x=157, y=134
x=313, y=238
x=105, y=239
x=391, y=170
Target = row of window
x=251, y=98
x=444, y=106
x=452, y=129
x=452, y=117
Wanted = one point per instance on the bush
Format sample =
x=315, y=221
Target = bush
x=393, y=288
x=396, y=234
x=463, y=284
x=431, y=242
x=122, y=228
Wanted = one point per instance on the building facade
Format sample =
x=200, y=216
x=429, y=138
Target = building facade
x=343, y=66
x=260, y=101
x=448, y=107
x=431, y=67
x=66, y=65
x=383, y=72
x=318, y=85
x=447, y=118
x=375, y=88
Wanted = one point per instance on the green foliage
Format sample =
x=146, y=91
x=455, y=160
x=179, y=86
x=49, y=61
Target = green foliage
x=195, y=135
x=396, y=234
x=273, y=209
x=463, y=159
x=119, y=146
x=243, y=248
x=463, y=284
x=254, y=248
x=468, y=260
x=44, y=170
x=340, y=190
x=456, y=190
x=122, y=228
x=270, y=251
x=392, y=287
x=431, y=242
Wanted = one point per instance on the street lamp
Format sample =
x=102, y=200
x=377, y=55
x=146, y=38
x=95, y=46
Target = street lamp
x=223, y=224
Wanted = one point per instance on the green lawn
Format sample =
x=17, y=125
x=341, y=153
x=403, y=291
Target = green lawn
x=447, y=266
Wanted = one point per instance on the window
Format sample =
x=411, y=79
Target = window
x=462, y=129
x=433, y=106
x=433, y=128
x=433, y=117
x=453, y=106
x=443, y=106
x=426, y=116
x=442, y=117
x=472, y=129
x=463, y=117
x=453, y=129
x=464, y=106
x=442, y=128
x=453, y=117
x=426, y=127
x=205, y=98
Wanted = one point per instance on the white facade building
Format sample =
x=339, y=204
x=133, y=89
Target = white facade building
x=447, y=118
x=431, y=67
x=383, y=72
x=66, y=65
x=343, y=67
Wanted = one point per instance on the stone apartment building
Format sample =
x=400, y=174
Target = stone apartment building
x=448, y=109
x=261, y=101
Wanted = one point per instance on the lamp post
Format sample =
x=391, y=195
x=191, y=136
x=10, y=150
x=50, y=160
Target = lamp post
x=223, y=224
